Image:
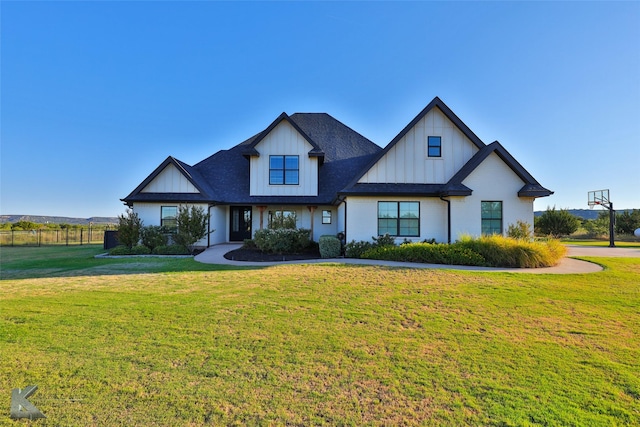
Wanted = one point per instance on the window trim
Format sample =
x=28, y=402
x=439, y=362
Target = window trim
x=434, y=146
x=398, y=218
x=483, y=219
x=284, y=169
x=327, y=219
x=171, y=229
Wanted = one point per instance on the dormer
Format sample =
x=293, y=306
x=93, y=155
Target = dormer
x=284, y=161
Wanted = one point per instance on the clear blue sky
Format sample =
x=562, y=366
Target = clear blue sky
x=95, y=95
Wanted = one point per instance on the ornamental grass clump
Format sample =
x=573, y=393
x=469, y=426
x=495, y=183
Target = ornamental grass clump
x=499, y=251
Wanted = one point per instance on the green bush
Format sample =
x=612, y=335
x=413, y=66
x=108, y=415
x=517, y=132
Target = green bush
x=355, y=249
x=171, y=250
x=249, y=244
x=426, y=253
x=153, y=236
x=282, y=241
x=120, y=250
x=519, y=230
x=192, y=226
x=385, y=240
x=129, y=228
x=140, y=250
x=556, y=223
x=330, y=246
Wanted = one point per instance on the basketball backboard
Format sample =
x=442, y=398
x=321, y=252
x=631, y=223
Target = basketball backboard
x=599, y=197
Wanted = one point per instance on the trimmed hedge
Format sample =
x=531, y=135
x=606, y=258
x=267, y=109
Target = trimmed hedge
x=136, y=250
x=282, y=240
x=426, y=253
x=171, y=250
x=330, y=246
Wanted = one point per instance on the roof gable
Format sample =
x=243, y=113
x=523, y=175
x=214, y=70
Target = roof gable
x=191, y=175
x=250, y=149
x=446, y=111
x=531, y=188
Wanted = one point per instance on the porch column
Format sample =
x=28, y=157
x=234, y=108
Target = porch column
x=312, y=209
x=262, y=209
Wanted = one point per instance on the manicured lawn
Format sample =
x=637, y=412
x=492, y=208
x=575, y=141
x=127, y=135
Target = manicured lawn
x=593, y=242
x=173, y=342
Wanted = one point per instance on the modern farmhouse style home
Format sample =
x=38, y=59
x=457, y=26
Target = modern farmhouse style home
x=435, y=180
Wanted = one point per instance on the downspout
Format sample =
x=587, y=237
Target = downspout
x=448, y=218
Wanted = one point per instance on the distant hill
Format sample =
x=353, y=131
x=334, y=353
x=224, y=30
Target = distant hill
x=59, y=219
x=585, y=213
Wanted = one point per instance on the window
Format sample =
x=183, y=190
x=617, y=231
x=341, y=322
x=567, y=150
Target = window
x=168, y=215
x=326, y=217
x=283, y=170
x=399, y=219
x=491, y=217
x=434, y=146
x=282, y=219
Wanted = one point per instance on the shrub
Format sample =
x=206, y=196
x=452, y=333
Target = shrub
x=330, y=246
x=426, y=253
x=556, y=223
x=385, y=240
x=519, y=230
x=153, y=236
x=355, y=249
x=129, y=228
x=140, y=250
x=192, y=226
x=282, y=241
x=171, y=250
x=249, y=244
x=120, y=250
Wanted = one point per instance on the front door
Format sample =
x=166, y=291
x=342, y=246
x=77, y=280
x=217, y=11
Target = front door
x=240, y=227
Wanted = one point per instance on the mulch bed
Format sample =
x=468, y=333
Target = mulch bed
x=256, y=255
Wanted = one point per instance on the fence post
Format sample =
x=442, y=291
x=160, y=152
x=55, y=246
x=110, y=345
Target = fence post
x=39, y=237
x=12, y=232
x=81, y=237
x=67, y=235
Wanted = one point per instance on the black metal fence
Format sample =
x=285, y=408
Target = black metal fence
x=67, y=236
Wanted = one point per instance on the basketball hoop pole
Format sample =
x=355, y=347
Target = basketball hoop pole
x=601, y=197
x=612, y=223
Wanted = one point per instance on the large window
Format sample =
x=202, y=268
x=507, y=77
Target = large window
x=491, y=217
x=282, y=219
x=434, y=146
x=168, y=215
x=283, y=170
x=399, y=219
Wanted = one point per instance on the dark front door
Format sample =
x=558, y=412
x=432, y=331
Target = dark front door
x=240, y=227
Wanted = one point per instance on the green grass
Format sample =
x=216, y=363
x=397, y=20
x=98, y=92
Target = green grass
x=173, y=342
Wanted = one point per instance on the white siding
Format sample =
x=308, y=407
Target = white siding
x=284, y=140
x=408, y=162
x=362, y=218
x=220, y=223
x=493, y=180
x=170, y=180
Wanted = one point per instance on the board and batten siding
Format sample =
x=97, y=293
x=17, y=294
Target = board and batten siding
x=170, y=180
x=362, y=218
x=407, y=162
x=284, y=140
x=492, y=180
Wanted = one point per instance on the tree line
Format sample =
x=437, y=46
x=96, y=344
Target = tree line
x=560, y=222
x=30, y=226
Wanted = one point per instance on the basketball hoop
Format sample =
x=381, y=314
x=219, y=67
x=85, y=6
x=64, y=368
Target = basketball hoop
x=601, y=198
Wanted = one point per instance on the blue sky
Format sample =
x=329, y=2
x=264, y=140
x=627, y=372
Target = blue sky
x=95, y=95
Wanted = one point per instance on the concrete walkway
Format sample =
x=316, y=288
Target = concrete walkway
x=215, y=255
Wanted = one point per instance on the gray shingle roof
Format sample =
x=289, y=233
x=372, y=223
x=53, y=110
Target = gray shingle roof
x=223, y=178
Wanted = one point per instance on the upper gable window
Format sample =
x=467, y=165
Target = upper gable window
x=284, y=170
x=434, y=146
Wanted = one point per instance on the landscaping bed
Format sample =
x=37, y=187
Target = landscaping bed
x=256, y=255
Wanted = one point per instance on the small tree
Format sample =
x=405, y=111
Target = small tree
x=192, y=226
x=627, y=221
x=129, y=228
x=519, y=230
x=556, y=223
